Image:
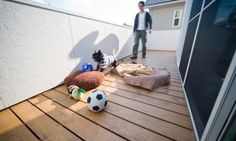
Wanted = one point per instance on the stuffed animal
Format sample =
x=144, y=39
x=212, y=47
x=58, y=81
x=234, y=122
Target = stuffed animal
x=97, y=100
x=103, y=60
x=76, y=92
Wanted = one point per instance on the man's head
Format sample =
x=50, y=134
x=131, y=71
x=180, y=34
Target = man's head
x=141, y=5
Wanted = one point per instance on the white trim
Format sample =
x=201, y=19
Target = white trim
x=183, y=32
x=194, y=17
x=164, y=4
x=202, y=10
x=222, y=107
x=174, y=18
x=231, y=116
x=194, y=41
x=189, y=109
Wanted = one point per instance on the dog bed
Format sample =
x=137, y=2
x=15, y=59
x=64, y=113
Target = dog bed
x=150, y=82
x=121, y=69
x=86, y=80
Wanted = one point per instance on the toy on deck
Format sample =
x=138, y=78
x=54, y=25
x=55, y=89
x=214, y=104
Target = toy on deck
x=86, y=67
x=97, y=100
x=76, y=92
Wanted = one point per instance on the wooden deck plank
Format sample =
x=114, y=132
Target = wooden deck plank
x=171, y=130
x=78, y=124
x=119, y=80
x=12, y=129
x=151, y=101
x=143, y=120
x=158, y=95
x=136, y=89
x=156, y=125
x=42, y=125
x=113, y=123
x=154, y=95
x=146, y=109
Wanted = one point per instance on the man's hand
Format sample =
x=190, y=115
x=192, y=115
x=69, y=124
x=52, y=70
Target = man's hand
x=149, y=31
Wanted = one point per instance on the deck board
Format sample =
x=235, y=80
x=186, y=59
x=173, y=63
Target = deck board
x=153, y=102
x=136, y=90
x=119, y=80
x=78, y=124
x=156, y=125
x=132, y=113
x=12, y=129
x=113, y=123
x=154, y=95
x=41, y=124
x=146, y=109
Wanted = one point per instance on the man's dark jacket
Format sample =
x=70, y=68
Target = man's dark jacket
x=148, y=21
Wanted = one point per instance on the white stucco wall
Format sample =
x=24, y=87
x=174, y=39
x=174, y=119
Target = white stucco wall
x=40, y=46
x=163, y=40
x=162, y=16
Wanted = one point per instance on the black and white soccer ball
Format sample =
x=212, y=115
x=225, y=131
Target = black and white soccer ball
x=97, y=100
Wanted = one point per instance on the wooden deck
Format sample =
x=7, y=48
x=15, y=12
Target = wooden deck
x=132, y=113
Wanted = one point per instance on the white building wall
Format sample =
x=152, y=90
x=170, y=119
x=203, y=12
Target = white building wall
x=164, y=35
x=162, y=16
x=163, y=40
x=40, y=46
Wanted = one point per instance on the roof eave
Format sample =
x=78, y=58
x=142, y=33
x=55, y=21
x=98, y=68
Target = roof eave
x=164, y=4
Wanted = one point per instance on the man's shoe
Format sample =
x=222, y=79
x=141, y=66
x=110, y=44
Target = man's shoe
x=133, y=57
x=144, y=57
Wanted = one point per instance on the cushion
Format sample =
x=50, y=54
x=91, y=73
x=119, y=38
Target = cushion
x=70, y=77
x=150, y=82
x=86, y=80
x=123, y=68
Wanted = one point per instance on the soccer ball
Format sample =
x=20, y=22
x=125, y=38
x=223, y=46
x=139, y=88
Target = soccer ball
x=97, y=100
x=76, y=92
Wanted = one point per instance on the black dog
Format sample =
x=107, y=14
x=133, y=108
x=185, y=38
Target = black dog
x=104, y=60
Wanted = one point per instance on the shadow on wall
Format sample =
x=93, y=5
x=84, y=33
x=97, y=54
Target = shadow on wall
x=127, y=47
x=85, y=47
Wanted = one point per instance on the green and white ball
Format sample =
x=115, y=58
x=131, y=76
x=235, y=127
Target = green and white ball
x=76, y=92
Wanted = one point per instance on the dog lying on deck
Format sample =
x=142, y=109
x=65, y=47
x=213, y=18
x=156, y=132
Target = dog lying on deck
x=104, y=61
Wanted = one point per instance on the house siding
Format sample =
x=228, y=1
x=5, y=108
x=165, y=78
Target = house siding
x=162, y=16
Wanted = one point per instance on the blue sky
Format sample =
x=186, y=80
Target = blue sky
x=115, y=11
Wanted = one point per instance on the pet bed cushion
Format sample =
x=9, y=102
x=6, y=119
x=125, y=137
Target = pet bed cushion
x=86, y=80
x=150, y=82
x=121, y=69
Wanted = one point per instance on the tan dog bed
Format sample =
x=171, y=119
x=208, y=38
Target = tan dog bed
x=123, y=68
x=150, y=82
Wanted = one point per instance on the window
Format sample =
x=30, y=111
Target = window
x=177, y=18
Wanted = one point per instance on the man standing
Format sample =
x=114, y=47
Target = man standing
x=142, y=22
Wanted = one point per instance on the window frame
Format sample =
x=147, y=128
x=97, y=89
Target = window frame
x=174, y=18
